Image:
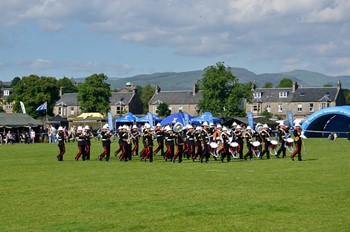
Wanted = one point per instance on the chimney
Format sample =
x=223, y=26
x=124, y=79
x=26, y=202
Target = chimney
x=295, y=86
x=61, y=91
x=194, y=89
x=339, y=85
x=157, y=89
x=253, y=86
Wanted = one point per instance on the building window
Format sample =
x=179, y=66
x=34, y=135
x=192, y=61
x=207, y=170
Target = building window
x=257, y=95
x=72, y=111
x=60, y=110
x=283, y=94
x=256, y=108
x=268, y=108
x=300, y=107
x=324, y=105
x=120, y=109
x=311, y=107
x=180, y=109
x=280, y=109
x=9, y=106
x=6, y=92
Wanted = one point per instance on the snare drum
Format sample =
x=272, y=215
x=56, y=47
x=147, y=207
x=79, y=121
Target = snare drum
x=213, y=145
x=234, y=144
x=274, y=142
x=256, y=144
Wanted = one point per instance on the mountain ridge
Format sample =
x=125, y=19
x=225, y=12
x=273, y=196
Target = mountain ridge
x=185, y=80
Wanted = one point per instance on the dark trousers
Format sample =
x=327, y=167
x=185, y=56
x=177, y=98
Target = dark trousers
x=199, y=151
x=106, y=152
x=170, y=152
x=62, y=151
x=178, y=153
x=249, y=153
x=282, y=149
x=266, y=150
x=136, y=147
x=87, y=151
x=240, y=150
x=297, y=150
x=205, y=153
x=81, y=152
x=160, y=148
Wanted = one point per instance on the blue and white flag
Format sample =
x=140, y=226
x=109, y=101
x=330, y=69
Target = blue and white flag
x=42, y=107
x=250, y=120
x=290, y=119
x=110, y=121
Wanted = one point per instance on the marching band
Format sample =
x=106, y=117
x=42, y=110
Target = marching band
x=190, y=141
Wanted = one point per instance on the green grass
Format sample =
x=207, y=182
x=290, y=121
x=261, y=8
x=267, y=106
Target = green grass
x=37, y=193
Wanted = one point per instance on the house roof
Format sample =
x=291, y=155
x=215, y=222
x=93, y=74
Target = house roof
x=176, y=97
x=299, y=95
x=17, y=120
x=69, y=99
x=121, y=97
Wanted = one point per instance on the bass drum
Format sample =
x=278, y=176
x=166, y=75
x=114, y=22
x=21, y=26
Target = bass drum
x=213, y=145
x=256, y=148
x=272, y=147
x=289, y=144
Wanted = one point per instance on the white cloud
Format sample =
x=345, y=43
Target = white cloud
x=266, y=29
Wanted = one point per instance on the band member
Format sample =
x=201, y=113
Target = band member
x=135, y=135
x=61, y=143
x=88, y=136
x=106, y=143
x=265, y=135
x=120, y=129
x=282, y=136
x=160, y=140
x=216, y=137
x=190, y=151
x=179, y=146
x=80, y=136
x=198, y=142
x=239, y=139
x=169, y=142
x=123, y=141
x=205, y=143
x=225, y=139
x=148, y=142
x=297, y=142
x=248, y=140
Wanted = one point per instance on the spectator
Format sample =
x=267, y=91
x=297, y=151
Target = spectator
x=42, y=135
x=53, y=135
x=32, y=135
x=9, y=138
x=49, y=134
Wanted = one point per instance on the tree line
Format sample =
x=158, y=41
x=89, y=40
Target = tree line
x=222, y=93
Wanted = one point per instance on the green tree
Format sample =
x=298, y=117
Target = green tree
x=285, y=83
x=346, y=93
x=266, y=114
x=68, y=84
x=33, y=91
x=268, y=85
x=146, y=94
x=15, y=81
x=328, y=85
x=94, y=93
x=163, y=110
x=222, y=93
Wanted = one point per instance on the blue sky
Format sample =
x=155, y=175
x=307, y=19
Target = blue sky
x=125, y=38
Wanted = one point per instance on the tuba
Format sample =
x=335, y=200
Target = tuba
x=178, y=127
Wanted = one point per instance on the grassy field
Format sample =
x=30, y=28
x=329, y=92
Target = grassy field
x=37, y=193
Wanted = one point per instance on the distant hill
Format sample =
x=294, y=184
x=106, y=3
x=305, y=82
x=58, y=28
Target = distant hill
x=185, y=80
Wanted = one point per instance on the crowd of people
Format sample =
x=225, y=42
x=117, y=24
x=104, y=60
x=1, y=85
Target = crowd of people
x=176, y=142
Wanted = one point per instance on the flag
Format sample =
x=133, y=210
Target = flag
x=110, y=121
x=290, y=119
x=42, y=107
x=23, y=107
x=250, y=120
